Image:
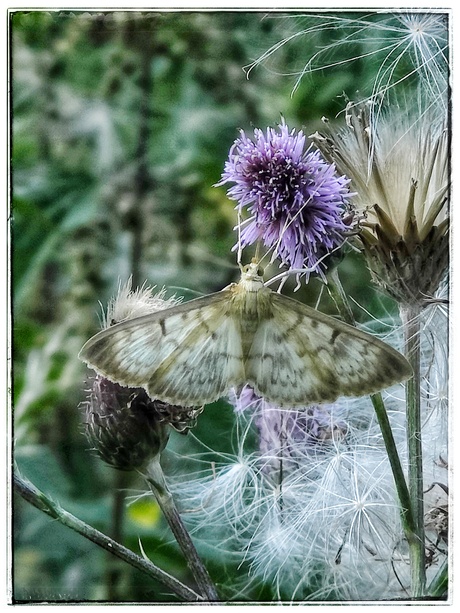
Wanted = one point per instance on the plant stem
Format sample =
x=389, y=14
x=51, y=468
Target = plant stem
x=114, y=567
x=411, y=324
x=337, y=293
x=39, y=500
x=440, y=584
x=155, y=479
x=402, y=490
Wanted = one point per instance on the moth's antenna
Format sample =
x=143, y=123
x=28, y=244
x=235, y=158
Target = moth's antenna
x=256, y=255
x=240, y=248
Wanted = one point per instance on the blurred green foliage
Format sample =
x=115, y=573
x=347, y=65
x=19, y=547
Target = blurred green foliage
x=121, y=125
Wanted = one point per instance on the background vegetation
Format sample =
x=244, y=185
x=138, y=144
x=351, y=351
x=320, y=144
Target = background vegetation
x=121, y=125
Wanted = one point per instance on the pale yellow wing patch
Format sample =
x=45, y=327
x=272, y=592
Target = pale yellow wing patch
x=187, y=355
x=300, y=356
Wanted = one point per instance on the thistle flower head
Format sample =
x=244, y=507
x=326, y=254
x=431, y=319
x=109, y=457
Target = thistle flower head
x=295, y=200
x=289, y=434
x=399, y=170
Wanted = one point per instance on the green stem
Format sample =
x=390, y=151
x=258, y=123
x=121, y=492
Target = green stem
x=408, y=520
x=410, y=316
x=282, y=440
x=155, y=479
x=440, y=584
x=338, y=295
x=402, y=490
x=39, y=500
x=114, y=567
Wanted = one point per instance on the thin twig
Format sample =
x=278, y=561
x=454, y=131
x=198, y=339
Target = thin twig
x=155, y=478
x=39, y=500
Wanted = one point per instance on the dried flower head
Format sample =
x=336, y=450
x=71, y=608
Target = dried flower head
x=400, y=172
x=315, y=495
x=402, y=47
x=295, y=199
x=130, y=303
x=290, y=434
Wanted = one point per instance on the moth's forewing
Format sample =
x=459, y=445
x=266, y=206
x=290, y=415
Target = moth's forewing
x=302, y=356
x=144, y=352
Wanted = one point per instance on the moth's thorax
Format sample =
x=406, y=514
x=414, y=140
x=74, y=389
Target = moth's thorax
x=251, y=299
x=250, y=305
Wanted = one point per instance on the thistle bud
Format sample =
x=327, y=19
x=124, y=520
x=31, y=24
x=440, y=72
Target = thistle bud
x=123, y=425
x=182, y=419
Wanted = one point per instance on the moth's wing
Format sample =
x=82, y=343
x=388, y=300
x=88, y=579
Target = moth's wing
x=187, y=355
x=300, y=356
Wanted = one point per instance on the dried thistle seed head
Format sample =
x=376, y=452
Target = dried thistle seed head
x=408, y=270
x=123, y=425
x=130, y=303
x=399, y=171
x=291, y=434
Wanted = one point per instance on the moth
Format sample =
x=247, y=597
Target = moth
x=193, y=353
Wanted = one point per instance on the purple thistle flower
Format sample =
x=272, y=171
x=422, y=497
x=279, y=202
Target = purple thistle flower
x=293, y=433
x=295, y=198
